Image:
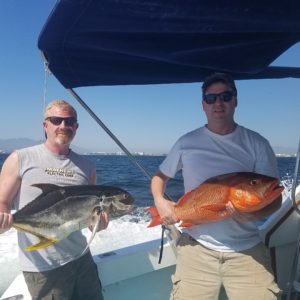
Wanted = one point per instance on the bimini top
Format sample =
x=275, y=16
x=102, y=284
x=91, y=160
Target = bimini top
x=116, y=42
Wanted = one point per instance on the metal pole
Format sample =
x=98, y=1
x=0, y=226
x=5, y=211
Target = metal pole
x=172, y=231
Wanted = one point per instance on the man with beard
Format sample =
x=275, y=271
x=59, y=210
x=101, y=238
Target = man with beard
x=59, y=271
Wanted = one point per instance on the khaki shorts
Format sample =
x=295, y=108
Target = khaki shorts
x=73, y=281
x=201, y=272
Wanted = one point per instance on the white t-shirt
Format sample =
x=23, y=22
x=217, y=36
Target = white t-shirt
x=202, y=154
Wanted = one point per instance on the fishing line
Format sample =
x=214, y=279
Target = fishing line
x=47, y=72
x=173, y=232
x=163, y=228
x=46, y=76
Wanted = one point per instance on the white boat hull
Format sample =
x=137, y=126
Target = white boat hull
x=128, y=273
x=134, y=272
x=281, y=233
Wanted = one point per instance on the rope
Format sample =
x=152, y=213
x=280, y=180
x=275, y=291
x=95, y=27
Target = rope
x=173, y=232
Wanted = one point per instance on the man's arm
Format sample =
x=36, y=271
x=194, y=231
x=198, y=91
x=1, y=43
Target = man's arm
x=9, y=185
x=165, y=207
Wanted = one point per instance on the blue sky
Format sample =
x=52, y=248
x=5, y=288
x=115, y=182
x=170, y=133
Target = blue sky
x=144, y=118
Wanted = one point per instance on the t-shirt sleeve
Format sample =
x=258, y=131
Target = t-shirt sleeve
x=173, y=162
x=266, y=162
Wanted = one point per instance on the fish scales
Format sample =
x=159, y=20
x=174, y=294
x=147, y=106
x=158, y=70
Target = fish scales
x=190, y=208
x=58, y=211
x=247, y=191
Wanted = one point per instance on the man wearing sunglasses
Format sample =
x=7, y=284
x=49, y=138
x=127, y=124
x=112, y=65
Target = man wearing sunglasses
x=59, y=271
x=227, y=253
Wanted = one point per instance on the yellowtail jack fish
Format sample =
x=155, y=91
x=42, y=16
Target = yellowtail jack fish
x=60, y=210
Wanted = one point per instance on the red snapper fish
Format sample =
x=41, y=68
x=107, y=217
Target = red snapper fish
x=248, y=192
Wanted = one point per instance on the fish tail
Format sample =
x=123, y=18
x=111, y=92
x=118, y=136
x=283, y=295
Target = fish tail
x=156, y=220
x=44, y=243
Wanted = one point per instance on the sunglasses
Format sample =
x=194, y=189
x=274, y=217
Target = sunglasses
x=224, y=96
x=69, y=121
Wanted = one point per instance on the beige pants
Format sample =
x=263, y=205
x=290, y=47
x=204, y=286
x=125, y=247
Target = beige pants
x=200, y=273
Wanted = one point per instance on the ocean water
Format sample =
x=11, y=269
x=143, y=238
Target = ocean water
x=118, y=170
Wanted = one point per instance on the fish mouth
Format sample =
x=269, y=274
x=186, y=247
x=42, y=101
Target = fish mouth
x=125, y=199
x=124, y=203
x=118, y=208
x=118, y=205
x=275, y=190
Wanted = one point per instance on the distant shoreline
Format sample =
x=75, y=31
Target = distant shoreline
x=143, y=154
x=8, y=145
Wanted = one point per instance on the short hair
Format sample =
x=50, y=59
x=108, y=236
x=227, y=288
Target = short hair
x=218, y=77
x=61, y=104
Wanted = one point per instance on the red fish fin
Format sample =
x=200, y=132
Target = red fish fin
x=156, y=220
x=186, y=224
x=183, y=198
x=214, y=207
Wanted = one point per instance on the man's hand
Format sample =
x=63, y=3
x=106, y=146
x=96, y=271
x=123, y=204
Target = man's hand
x=166, y=211
x=165, y=207
x=103, y=223
x=6, y=221
x=240, y=216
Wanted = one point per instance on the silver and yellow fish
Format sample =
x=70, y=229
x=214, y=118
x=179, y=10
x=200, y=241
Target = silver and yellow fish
x=61, y=210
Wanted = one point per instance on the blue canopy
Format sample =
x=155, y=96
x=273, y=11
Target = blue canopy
x=115, y=42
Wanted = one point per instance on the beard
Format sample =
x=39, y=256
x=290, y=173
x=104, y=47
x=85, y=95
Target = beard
x=64, y=137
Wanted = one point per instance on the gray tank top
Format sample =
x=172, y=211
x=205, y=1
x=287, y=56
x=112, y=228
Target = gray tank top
x=39, y=165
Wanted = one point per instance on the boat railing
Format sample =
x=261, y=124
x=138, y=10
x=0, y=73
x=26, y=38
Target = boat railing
x=294, y=278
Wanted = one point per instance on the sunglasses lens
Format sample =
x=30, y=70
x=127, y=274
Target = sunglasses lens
x=55, y=120
x=58, y=120
x=226, y=96
x=70, y=121
x=212, y=98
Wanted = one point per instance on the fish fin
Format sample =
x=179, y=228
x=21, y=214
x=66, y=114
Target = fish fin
x=214, y=207
x=14, y=297
x=186, y=224
x=22, y=227
x=156, y=220
x=44, y=243
x=183, y=198
x=46, y=187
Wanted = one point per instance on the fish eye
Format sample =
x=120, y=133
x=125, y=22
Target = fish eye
x=253, y=182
